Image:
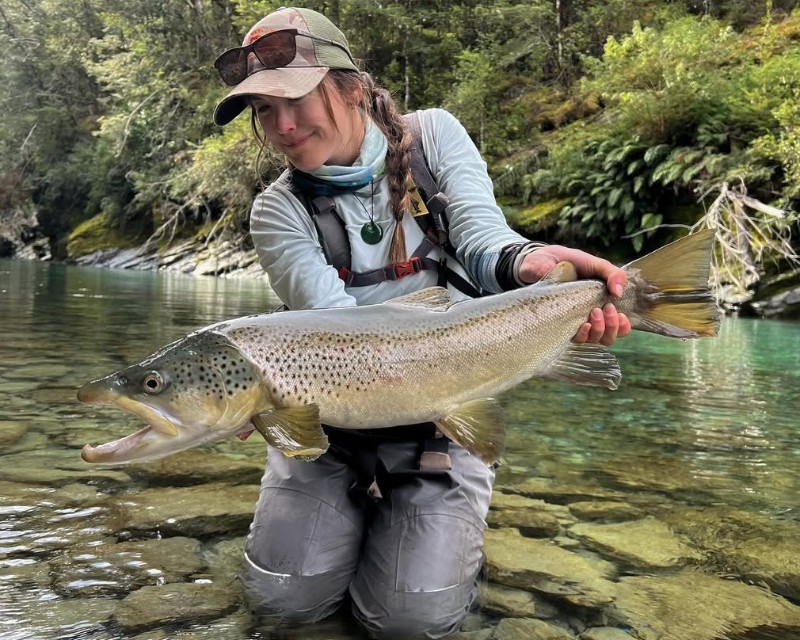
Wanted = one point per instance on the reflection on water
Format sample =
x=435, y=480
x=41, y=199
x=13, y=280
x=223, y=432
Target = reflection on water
x=700, y=442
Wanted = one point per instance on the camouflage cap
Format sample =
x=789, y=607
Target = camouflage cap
x=312, y=60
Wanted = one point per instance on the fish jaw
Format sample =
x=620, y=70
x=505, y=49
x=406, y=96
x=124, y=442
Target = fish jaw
x=181, y=413
x=167, y=434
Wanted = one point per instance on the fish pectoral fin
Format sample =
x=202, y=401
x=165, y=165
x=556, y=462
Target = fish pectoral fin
x=294, y=431
x=479, y=427
x=587, y=364
x=432, y=298
x=562, y=272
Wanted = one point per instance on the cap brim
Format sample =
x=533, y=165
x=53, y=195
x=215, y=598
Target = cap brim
x=286, y=82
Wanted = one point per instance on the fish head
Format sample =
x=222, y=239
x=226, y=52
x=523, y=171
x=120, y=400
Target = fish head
x=196, y=390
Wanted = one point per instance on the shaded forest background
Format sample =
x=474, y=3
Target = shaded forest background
x=604, y=122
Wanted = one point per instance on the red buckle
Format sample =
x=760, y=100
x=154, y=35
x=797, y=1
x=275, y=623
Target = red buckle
x=408, y=268
x=344, y=274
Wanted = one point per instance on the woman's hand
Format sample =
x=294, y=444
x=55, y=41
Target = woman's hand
x=604, y=325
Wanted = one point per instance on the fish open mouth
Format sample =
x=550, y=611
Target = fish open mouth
x=116, y=449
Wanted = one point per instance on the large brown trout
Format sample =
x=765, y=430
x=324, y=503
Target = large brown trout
x=419, y=358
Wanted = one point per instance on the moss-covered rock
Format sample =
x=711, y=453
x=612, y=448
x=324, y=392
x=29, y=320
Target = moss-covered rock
x=98, y=233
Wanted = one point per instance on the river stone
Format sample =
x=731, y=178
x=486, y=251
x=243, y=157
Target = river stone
x=201, y=511
x=561, y=492
x=527, y=563
x=696, y=606
x=515, y=603
x=754, y=546
x=225, y=558
x=68, y=618
x=605, y=510
x=647, y=543
x=480, y=634
x=85, y=571
x=525, y=514
x=24, y=572
x=237, y=626
x=55, y=469
x=529, y=629
x=605, y=633
x=11, y=431
x=179, y=603
x=197, y=467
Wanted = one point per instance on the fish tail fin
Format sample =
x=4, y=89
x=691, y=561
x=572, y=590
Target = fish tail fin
x=675, y=299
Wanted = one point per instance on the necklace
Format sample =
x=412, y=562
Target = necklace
x=371, y=233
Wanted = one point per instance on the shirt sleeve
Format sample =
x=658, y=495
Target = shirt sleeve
x=478, y=229
x=289, y=251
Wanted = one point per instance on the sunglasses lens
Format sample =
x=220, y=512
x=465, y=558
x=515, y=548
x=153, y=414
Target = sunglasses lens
x=275, y=49
x=232, y=66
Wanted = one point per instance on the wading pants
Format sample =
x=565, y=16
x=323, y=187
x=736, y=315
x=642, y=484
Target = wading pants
x=409, y=559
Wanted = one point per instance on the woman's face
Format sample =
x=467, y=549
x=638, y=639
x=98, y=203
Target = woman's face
x=303, y=131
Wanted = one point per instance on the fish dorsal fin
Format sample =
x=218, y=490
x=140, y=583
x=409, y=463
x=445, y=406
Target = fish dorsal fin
x=563, y=272
x=294, y=431
x=588, y=364
x=478, y=426
x=433, y=298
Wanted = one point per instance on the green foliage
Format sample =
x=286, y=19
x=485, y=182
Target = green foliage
x=108, y=106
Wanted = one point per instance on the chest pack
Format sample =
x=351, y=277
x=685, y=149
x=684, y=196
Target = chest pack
x=430, y=205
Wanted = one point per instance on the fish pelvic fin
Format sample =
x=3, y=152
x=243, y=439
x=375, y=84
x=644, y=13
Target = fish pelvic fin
x=294, y=431
x=588, y=364
x=479, y=427
x=675, y=298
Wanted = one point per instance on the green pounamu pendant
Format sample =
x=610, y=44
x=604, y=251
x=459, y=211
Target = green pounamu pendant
x=371, y=233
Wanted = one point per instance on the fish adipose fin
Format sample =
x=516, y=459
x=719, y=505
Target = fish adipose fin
x=433, y=298
x=587, y=364
x=677, y=301
x=479, y=427
x=294, y=431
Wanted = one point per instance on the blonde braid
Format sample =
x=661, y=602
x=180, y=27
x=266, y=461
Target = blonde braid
x=378, y=104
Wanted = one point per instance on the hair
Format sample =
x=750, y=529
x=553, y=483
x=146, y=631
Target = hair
x=377, y=103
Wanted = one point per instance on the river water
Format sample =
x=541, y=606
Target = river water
x=701, y=439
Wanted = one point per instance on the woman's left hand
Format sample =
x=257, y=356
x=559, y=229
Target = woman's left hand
x=604, y=325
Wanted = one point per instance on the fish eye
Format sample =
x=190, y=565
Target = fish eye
x=153, y=383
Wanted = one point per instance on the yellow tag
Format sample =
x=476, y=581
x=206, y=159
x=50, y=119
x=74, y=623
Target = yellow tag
x=417, y=205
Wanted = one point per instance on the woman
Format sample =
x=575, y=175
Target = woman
x=372, y=518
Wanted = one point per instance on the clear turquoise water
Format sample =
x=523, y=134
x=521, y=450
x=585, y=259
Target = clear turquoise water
x=697, y=423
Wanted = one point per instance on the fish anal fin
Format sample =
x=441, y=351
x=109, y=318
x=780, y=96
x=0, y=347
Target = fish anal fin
x=587, y=364
x=433, y=298
x=479, y=427
x=294, y=431
x=562, y=272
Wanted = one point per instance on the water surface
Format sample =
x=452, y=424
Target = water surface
x=702, y=435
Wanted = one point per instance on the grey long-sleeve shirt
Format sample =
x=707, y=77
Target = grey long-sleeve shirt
x=289, y=249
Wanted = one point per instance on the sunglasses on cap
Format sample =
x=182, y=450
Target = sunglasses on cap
x=274, y=50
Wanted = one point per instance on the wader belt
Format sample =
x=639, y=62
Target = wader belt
x=358, y=448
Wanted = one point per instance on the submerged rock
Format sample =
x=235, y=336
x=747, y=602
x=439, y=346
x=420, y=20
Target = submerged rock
x=691, y=605
x=123, y=567
x=198, y=466
x=180, y=603
x=515, y=603
x=528, y=515
x=529, y=629
x=646, y=543
x=606, y=510
x=537, y=565
x=201, y=511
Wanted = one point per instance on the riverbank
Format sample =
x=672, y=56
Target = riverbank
x=230, y=255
